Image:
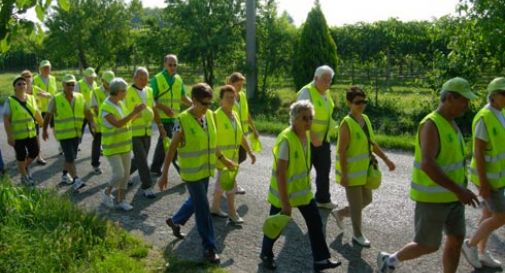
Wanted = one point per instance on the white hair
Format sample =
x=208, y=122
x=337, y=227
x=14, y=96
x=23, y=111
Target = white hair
x=139, y=70
x=322, y=70
x=170, y=57
x=299, y=107
x=116, y=85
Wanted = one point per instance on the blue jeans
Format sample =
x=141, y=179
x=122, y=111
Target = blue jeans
x=1, y=162
x=198, y=204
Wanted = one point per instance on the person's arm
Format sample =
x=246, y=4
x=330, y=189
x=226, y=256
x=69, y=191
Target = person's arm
x=118, y=123
x=376, y=149
x=479, y=155
x=253, y=127
x=89, y=117
x=8, y=130
x=167, y=110
x=51, y=108
x=282, y=184
x=186, y=101
x=157, y=120
x=245, y=145
x=430, y=145
x=176, y=140
x=343, y=143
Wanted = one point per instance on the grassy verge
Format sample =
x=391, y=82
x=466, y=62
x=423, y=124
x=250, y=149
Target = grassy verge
x=400, y=142
x=43, y=232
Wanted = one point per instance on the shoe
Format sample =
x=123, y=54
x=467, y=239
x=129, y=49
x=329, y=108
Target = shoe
x=382, y=263
x=218, y=213
x=237, y=220
x=107, y=200
x=268, y=262
x=27, y=181
x=471, y=254
x=338, y=218
x=148, y=193
x=361, y=240
x=78, y=184
x=41, y=161
x=97, y=170
x=488, y=260
x=327, y=205
x=156, y=173
x=211, y=256
x=240, y=190
x=130, y=183
x=67, y=179
x=326, y=264
x=176, y=229
x=125, y=206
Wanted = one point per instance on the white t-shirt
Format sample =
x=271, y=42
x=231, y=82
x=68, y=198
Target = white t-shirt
x=284, y=149
x=480, y=127
x=305, y=95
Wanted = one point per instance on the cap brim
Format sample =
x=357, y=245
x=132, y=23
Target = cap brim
x=469, y=95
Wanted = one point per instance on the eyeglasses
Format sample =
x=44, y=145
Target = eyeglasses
x=359, y=102
x=307, y=118
x=21, y=83
x=70, y=84
x=206, y=104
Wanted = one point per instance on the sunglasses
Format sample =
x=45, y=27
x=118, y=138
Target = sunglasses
x=307, y=118
x=206, y=104
x=70, y=84
x=359, y=102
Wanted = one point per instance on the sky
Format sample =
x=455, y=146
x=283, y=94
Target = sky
x=340, y=12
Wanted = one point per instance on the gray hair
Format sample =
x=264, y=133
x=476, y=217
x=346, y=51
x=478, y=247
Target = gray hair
x=140, y=69
x=299, y=107
x=116, y=85
x=170, y=57
x=322, y=70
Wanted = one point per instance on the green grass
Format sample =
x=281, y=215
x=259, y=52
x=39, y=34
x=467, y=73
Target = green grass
x=43, y=232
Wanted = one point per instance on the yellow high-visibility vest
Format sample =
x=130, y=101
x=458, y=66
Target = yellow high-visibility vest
x=68, y=119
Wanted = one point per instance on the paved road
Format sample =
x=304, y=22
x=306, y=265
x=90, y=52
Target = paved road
x=388, y=222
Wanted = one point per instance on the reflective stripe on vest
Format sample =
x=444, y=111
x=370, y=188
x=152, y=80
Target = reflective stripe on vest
x=100, y=97
x=323, y=124
x=298, y=172
x=241, y=107
x=50, y=88
x=142, y=125
x=197, y=157
x=494, y=154
x=22, y=123
x=169, y=97
x=450, y=159
x=115, y=140
x=228, y=137
x=68, y=119
x=357, y=153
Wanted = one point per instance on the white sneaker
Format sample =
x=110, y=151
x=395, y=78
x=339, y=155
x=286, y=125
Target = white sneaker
x=488, y=260
x=237, y=220
x=78, y=184
x=338, y=218
x=148, y=193
x=67, y=179
x=125, y=206
x=327, y=205
x=382, y=263
x=218, y=213
x=471, y=254
x=361, y=240
x=107, y=200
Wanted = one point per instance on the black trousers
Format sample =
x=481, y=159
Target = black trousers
x=159, y=152
x=95, y=149
x=321, y=160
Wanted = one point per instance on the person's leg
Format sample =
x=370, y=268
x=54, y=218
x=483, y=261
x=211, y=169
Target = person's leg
x=69, y=152
x=140, y=150
x=125, y=175
x=321, y=160
x=39, y=157
x=355, y=199
x=84, y=122
x=159, y=151
x=20, y=148
x=216, y=198
x=205, y=227
x=115, y=163
x=486, y=213
x=310, y=213
x=230, y=201
x=95, y=150
x=268, y=244
x=452, y=252
x=2, y=166
x=493, y=217
x=33, y=148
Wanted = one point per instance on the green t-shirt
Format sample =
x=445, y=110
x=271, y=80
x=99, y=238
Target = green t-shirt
x=156, y=91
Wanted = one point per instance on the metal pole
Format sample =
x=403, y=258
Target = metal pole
x=251, y=73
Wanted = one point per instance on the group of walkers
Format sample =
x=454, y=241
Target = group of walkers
x=197, y=141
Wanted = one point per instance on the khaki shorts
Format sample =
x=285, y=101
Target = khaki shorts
x=496, y=202
x=433, y=218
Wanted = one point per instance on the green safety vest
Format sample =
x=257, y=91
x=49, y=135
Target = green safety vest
x=85, y=90
x=450, y=159
x=242, y=109
x=323, y=123
x=22, y=123
x=51, y=88
x=197, y=157
x=228, y=138
x=115, y=140
x=141, y=126
x=67, y=119
x=100, y=97
x=169, y=95
x=495, y=150
x=298, y=173
x=357, y=153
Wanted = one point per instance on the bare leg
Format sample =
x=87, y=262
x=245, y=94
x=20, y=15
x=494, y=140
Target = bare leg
x=414, y=250
x=230, y=199
x=452, y=250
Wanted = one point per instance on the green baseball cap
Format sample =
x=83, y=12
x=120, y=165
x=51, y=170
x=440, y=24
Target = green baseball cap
x=274, y=225
x=69, y=78
x=108, y=76
x=17, y=78
x=89, y=72
x=44, y=63
x=460, y=86
x=498, y=84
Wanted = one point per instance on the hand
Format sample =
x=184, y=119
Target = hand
x=10, y=140
x=229, y=164
x=163, y=132
x=344, y=181
x=45, y=94
x=139, y=108
x=45, y=136
x=92, y=128
x=163, y=182
x=390, y=164
x=467, y=197
x=286, y=209
x=485, y=190
x=253, y=157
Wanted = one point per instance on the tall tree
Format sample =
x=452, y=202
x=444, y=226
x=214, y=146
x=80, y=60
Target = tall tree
x=315, y=48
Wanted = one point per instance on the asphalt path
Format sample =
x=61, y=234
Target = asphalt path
x=387, y=222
